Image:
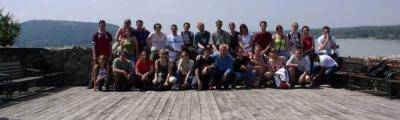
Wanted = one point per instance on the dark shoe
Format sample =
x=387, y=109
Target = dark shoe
x=303, y=85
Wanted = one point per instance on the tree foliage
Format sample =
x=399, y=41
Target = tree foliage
x=9, y=29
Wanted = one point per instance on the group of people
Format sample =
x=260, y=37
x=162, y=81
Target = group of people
x=206, y=61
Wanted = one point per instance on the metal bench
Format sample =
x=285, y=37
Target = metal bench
x=15, y=77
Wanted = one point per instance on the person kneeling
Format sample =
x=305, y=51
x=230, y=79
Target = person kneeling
x=184, y=72
x=101, y=74
x=298, y=69
x=123, y=72
x=163, y=78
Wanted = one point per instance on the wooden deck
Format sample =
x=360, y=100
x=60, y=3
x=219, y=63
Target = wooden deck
x=260, y=104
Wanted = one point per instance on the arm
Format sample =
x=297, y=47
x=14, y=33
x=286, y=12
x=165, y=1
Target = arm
x=94, y=48
x=137, y=71
x=136, y=46
x=289, y=62
x=169, y=72
x=155, y=69
x=149, y=42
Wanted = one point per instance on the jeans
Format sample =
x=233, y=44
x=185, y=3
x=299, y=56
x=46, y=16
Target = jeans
x=219, y=81
x=246, y=76
x=191, y=82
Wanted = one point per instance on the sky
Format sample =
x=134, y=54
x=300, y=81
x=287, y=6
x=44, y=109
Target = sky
x=314, y=13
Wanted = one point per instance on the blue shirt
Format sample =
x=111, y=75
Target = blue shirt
x=225, y=63
x=141, y=37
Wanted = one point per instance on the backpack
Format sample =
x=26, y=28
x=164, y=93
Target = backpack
x=191, y=37
x=282, y=78
x=378, y=70
x=297, y=43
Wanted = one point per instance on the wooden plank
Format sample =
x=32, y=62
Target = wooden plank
x=169, y=105
x=185, y=113
x=125, y=110
x=159, y=107
x=195, y=113
x=214, y=108
x=204, y=108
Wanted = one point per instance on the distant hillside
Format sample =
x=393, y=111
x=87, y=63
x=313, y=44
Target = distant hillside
x=54, y=33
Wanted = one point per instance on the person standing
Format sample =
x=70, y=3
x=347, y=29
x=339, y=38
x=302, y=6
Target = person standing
x=327, y=43
x=245, y=38
x=174, y=43
x=263, y=38
x=281, y=42
x=156, y=41
x=219, y=36
x=141, y=34
x=201, y=38
x=102, y=45
x=294, y=39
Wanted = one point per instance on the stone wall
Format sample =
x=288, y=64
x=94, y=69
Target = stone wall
x=75, y=61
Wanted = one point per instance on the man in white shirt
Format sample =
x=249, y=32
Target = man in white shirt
x=327, y=43
x=174, y=43
x=325, y=66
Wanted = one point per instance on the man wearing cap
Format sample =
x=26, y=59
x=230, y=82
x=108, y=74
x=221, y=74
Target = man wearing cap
x=123, y=72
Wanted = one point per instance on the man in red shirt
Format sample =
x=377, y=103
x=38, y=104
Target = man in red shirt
x=102, y=42
x=263, y=38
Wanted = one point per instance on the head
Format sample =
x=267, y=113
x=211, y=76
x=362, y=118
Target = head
x=272, y=53
x=186, y=26
x=314, y=58
x=128, y=32
x=232, y=26
x=257, y=49
x=218, y=24
x=185, y=55
x=163, y=54
x=223, y=49
x=157, y=27
x=102, y=25
x=124, y=55
x=244, y=29
x=298, y=53
x=263, y=25
x=279, y=29
x=295, y=26
x=305, y=30
x=174, y=28
x=144, y=55
x=207, y=51
x=240, y=53
x=127, y=23
x=326, y=30
x=102, y=60
x=139, y=23
x=200, y=26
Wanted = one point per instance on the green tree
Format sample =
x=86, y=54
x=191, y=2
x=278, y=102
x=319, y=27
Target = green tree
x=9, y=29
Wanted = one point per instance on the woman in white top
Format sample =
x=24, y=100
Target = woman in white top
x=245, y=39
x=156, y=41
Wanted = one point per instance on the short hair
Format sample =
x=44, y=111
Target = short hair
x=295, y=24
x=139, y=21
x=207, y=48
x=325, y=28
x=265, y=22
x=156, y=24
x=305, y=27
x=174, y=25
x=278, y=27
x=102, y=22
x=200, y=23
x=231, y=23
x=223, y=46
x=218, y=21
x=186, y=23
x=127, y=21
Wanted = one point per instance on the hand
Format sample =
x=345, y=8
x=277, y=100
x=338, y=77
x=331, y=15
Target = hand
x=125, y=74
x=128, y=77
x=224, y=77
x=166, y=84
